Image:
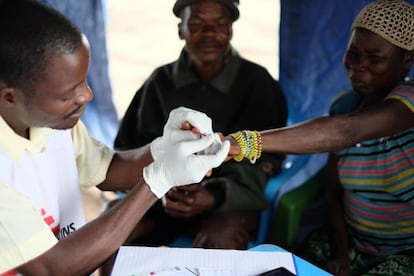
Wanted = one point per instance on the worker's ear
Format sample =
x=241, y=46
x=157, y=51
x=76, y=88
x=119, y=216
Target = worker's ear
x=7, y=94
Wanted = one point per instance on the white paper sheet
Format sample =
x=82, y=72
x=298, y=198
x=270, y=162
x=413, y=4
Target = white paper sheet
x=166, y=261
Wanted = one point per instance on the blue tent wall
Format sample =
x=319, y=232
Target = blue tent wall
x=313, y=38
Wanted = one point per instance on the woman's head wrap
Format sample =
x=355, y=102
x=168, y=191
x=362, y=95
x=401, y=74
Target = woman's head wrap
x=393, y=20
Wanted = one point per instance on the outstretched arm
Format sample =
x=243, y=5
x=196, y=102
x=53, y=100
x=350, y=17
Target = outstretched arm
x=332, y=133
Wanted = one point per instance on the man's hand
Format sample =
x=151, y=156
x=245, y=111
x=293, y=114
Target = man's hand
x=183, y=124
x=180, y=165
x=188, y=201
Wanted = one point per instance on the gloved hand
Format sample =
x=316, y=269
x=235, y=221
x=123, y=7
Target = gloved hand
x=181, y=166
x=173, y=133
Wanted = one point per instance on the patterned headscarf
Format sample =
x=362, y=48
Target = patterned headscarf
x=393, y=20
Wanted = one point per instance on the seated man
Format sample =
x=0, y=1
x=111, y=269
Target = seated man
x=221, y=211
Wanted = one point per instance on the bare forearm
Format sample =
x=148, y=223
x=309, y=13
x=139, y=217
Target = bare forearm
x=84, y=250
x=126, y=169
x=314, y=136
x=336, y=132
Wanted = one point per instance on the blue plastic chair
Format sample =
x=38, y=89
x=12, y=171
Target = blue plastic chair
x=290, y=167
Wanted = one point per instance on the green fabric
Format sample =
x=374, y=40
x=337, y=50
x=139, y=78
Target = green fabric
x=317, y=251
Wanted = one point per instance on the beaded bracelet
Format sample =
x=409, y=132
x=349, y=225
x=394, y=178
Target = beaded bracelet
x=250, y=144
x=241, y=140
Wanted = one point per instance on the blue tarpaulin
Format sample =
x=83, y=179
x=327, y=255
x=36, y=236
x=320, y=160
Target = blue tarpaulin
x=313, y=38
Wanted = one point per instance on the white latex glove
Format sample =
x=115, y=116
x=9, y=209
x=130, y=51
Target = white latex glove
x=173, y=133
x=181, y=166
x=214, y=147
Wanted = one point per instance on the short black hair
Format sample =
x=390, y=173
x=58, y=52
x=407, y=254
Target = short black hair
x=30, y=34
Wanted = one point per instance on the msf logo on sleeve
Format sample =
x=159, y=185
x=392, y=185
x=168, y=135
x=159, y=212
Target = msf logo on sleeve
x=57, y=231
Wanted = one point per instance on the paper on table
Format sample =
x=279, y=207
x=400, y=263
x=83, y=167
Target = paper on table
x=138, y=260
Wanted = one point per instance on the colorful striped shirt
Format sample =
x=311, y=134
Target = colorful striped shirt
x=378, y=180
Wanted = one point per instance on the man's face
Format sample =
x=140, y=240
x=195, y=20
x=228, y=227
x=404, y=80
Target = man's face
x=206, y=28
x=59, y=99
x=374, y=65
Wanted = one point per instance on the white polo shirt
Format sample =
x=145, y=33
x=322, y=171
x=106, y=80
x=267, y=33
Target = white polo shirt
x=40, y=181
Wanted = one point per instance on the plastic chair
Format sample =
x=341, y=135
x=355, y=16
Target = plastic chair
x=289, y=168
x=284, y=223
x=298, y=212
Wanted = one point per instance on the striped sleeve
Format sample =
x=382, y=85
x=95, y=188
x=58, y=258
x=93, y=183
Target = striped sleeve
x=403, y=93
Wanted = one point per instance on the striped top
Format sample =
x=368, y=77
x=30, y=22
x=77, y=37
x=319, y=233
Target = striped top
x=378, y=179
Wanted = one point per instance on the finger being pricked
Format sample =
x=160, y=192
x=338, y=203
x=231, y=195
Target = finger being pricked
x=213, y=159
x=187, y=126
x=192, y=119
